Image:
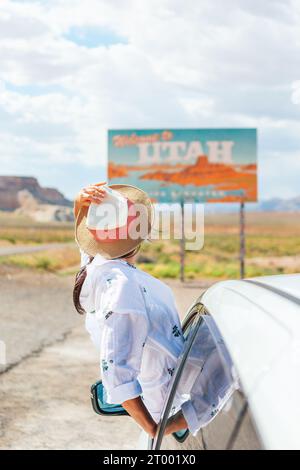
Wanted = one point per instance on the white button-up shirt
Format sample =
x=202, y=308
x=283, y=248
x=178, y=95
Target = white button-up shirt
x=133, y=321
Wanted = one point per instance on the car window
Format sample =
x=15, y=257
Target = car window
x=190, y=329
x=182, y=434
x=232, y=428
x=204, y=380
x=244, y=435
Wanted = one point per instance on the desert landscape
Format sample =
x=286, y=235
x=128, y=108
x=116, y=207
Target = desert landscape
x=272, y=247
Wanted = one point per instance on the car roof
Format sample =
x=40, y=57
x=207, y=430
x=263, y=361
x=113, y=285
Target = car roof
x=286, y=283
x=259, y=319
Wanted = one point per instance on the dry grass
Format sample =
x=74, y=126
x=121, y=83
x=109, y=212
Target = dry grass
x=56, y=260
x=272, y=247
x=18, y=230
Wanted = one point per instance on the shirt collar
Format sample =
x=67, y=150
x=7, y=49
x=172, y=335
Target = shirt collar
x=99, y=260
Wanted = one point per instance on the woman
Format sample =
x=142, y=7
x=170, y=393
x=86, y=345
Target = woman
x=132, y=319
x=130, y=315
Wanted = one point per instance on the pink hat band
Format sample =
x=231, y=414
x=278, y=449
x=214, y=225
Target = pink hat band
x=117, y=233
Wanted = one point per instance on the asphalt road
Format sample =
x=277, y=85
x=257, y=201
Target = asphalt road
x=22, y=249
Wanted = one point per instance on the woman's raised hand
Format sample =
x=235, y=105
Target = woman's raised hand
x=92, y=193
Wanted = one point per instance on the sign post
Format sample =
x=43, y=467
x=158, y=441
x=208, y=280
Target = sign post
x=182, y=242
x=242, y=240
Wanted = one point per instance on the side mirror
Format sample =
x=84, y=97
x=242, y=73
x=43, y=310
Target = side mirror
x=99, y=402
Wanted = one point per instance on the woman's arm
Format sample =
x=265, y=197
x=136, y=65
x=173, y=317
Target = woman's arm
x=136, y=408
x=176, y=423
x=123, y=337
x=93, y=193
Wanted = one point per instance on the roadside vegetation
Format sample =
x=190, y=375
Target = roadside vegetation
x=272, y=247
x=58, y=260
x=19, y=230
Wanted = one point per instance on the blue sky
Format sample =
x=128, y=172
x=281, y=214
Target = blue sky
x=71, y=72
x=93, y=36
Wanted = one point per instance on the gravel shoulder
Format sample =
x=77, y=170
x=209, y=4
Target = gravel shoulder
x=35, y=310
x=45, y=402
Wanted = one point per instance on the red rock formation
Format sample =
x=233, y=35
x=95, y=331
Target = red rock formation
x=11, y=185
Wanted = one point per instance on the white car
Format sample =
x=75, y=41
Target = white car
x=259, y=320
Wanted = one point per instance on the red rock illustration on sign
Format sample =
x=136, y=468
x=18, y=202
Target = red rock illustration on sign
x=224, y=177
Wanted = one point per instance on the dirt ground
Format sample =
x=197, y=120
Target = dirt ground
x=284, y=262
x=44, y=386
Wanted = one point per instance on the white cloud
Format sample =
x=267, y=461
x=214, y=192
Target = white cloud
x=184, y=64
x=295, y=92
x=283, y=168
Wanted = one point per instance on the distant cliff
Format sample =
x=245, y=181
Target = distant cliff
x=11, y=186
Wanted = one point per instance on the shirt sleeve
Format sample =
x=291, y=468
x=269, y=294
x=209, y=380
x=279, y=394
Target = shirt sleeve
x=123, y=338
x=124, y=329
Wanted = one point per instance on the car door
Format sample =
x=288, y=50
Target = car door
x=231, y=427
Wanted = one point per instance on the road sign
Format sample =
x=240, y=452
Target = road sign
x=199, y=165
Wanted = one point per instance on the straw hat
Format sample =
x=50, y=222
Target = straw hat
x=115, y=243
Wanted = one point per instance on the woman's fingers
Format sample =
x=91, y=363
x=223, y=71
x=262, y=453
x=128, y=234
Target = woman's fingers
x=97, y=187
x=94, y=190
x=92, y=193
x=88, y=201
x=96, y=199
x=92, y=196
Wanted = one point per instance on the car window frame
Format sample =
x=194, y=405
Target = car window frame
x=194, y=316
